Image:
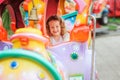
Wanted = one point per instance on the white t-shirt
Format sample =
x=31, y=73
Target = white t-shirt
x=65, y=37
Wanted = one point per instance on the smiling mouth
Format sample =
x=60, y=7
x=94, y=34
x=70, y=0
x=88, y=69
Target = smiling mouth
x=55, y=31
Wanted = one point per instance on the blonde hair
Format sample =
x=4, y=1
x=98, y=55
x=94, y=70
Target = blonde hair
x=62, y=24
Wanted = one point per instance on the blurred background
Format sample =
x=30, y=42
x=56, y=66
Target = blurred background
x=107, y=43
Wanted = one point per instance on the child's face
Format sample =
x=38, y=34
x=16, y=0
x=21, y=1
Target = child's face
x=55, y=27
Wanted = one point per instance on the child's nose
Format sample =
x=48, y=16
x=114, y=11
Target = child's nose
x=55, y=28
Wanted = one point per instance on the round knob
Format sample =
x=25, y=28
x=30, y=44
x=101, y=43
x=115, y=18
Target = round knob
x=74, y=56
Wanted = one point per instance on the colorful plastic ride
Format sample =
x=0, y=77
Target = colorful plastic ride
x=29, y=59
x=19, y=64
x=32, y=59
x=4, y=43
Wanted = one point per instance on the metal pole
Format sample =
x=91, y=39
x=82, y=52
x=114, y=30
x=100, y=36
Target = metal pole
x=93, y=46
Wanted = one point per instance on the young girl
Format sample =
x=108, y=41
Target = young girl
x=56, y=30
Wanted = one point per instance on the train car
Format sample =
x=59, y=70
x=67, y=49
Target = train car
x=31, y=57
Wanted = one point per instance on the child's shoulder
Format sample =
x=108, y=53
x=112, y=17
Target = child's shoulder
x=66, y=36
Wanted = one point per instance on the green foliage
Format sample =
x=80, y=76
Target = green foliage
x=113, y=24
x=114, y=20
x=113, y=27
